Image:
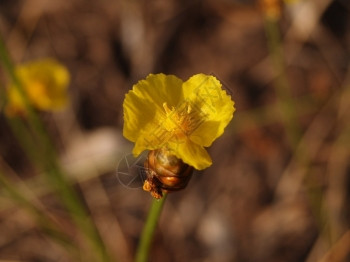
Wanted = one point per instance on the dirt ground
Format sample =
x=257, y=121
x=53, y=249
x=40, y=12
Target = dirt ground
x=266, y=198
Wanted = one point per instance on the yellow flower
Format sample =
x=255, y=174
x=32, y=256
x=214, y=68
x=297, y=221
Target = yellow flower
x=272, y=9
x=162, y=111
x=45, y=84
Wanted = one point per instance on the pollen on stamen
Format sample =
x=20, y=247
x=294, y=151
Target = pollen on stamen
x=189, y=108
x=166, y=108
x=179, y=122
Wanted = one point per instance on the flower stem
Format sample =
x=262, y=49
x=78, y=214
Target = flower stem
x=43, y=152
x=148, y=229
x=282, y=86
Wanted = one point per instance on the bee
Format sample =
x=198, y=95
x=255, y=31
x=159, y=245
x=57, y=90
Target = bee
x=165, y=173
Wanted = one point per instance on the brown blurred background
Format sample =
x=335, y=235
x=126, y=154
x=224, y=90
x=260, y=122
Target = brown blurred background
x=264, y=198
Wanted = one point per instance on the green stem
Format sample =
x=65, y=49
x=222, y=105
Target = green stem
x=46, y=155
x=282, y=86
x=148, y=230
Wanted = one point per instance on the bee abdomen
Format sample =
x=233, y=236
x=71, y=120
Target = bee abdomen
x=165, y=173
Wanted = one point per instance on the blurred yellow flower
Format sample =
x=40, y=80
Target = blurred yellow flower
x=272, y=9
x=45, y=84
x=162, y=111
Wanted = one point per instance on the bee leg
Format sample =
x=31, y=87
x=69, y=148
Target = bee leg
x=151, y=185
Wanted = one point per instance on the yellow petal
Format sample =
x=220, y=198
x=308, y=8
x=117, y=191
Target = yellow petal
x=157, y=138
x=143, y=108
x=16, y=105
x=214, y=108
x=139, y=117
x=191, y=153
x=159, y=89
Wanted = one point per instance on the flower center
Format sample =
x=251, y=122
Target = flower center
x=38, y=94
x=179, y=121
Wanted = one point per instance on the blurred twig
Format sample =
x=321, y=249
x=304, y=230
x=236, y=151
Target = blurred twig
x=105, y=220
x=339, y=251
x=282, y=86
x=338, y=165
x=34, y=207
x=292, y=178
x=29, y=15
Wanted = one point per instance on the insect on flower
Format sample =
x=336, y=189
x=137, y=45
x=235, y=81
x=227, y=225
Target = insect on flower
x=165, y=173
x=175, y=120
